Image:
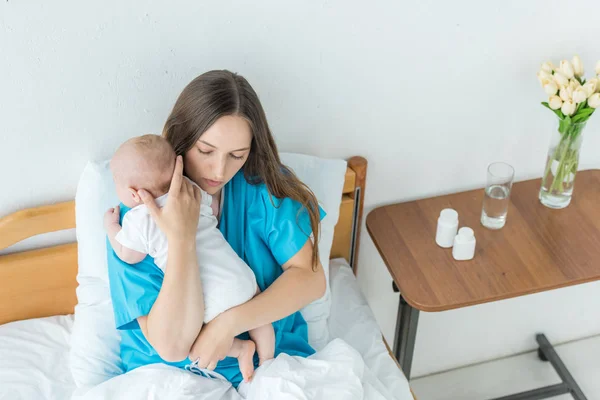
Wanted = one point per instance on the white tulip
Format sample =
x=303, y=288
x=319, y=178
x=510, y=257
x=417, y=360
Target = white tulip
x=568, y=107
x=590, y=87
x=595, y=82
x=577, y=66
x=570, y=91
x=555, y=102
x=574, y=84
x=564, y=94
x=548, y=67
x=598, y=68
x=567, y=69
x=560, y=79
x=579, y=95
x=551, y=88
x=594, y=101
x=544, y=75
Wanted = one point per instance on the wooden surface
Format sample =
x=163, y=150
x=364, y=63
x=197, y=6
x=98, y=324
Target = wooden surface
x=349, y=181
x=342, y=240
x=34, y=221
x=358, y=165
x=538, y=249
x=343, y=229
x=38, y=283
x=342, y=236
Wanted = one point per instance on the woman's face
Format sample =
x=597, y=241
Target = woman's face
x=219, y=153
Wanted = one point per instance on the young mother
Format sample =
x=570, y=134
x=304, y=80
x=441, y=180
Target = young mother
x=266, y=214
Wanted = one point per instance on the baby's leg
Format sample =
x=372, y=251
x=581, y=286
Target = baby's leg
x=264, y=338
x=244, y=350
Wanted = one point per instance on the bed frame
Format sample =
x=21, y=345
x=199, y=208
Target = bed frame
x=42, y=282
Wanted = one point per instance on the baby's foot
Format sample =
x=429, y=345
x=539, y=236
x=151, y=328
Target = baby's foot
x=245, y=359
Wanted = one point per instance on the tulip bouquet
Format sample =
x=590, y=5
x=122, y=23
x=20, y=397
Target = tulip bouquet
x=573, y=100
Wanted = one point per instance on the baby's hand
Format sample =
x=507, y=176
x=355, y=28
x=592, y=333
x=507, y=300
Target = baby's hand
x=111, y=217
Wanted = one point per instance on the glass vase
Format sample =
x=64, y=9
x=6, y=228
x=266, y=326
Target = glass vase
x=561, y=165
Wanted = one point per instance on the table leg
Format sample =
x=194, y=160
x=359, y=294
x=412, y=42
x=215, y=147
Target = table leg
x=568, y=385
x=547, y=350
x=404, y=347
x=406, y=334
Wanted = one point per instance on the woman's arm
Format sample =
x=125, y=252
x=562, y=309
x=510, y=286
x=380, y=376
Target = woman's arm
x=178, y=312
x=298, y=286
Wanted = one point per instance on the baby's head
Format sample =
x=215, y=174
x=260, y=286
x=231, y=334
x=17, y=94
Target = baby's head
x=143, y=162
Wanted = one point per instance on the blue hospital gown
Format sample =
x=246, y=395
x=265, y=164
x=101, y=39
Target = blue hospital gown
x=263, y=234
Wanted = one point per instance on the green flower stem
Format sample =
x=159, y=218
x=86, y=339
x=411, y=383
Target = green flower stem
x=566, y=155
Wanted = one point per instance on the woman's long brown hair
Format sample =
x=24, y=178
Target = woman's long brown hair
x=215, y=94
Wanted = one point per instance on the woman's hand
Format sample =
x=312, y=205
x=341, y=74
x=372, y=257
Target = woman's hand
x=214, y=342
x=178, y=219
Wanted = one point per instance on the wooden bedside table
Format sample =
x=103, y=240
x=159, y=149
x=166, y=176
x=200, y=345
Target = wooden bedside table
x=539, y=249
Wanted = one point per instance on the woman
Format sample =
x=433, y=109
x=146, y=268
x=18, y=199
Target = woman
x=266, y=214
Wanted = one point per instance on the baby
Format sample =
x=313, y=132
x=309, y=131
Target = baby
x=147, y=162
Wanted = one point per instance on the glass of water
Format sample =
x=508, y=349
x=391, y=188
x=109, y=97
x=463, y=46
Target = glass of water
x=497, y=191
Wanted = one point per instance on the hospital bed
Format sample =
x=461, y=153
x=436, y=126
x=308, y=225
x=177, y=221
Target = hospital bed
x=38, y=299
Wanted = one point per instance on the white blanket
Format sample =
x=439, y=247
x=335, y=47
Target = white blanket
x=336, y=372
x=355, y=365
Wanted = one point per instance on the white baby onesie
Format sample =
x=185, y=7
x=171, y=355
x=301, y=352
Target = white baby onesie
x=227, y=281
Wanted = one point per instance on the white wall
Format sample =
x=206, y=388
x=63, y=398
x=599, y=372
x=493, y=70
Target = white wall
x=429, y=92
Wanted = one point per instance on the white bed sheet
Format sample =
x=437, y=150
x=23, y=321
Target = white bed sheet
x=34, y=353
x=34, y=359
x=352, y=320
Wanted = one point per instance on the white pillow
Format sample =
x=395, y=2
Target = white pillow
x=325, y=177
x=94, y=355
